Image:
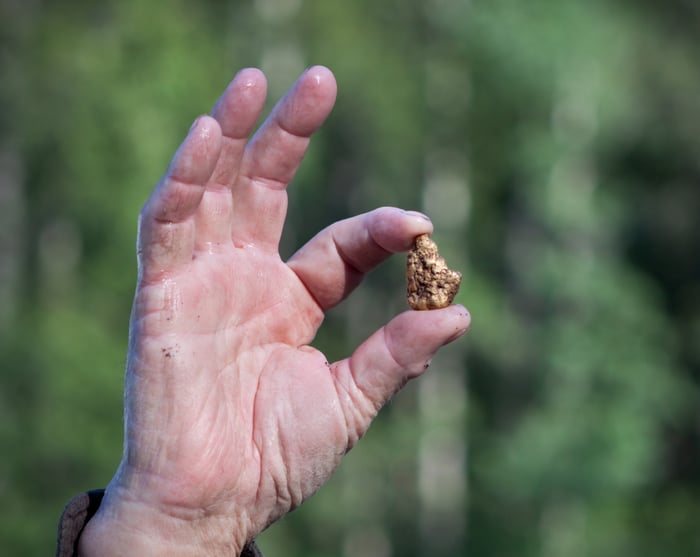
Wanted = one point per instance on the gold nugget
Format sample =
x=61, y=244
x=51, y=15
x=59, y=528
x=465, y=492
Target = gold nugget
x=430, y=284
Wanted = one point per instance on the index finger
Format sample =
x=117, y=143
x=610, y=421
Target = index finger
x=336, y=260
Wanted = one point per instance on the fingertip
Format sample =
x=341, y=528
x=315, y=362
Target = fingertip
x=419, y=334
x=321, y=75
x=240, y=105
x=312, y=98
x=177, y=195
x=395, y=229
x=249, y=76
x=418, y=215
x=249, y=84
x=462, y=321
x=205, y=127
x=196, y=157
x=461, y=309
x=416, y=223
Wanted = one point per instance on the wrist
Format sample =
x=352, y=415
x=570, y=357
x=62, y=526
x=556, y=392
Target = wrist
x=128, y=526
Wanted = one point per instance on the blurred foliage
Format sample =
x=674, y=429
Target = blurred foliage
x=555, y=146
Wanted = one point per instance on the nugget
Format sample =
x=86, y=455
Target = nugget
x=430, y=284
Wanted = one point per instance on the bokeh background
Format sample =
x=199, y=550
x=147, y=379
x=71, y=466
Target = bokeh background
x=554, y=143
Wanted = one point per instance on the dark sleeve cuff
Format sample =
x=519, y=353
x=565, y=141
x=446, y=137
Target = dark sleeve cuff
x=82, y=508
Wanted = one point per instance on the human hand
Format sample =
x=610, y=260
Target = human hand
x=231, y=418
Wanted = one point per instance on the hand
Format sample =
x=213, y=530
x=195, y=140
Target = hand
x=231, y=418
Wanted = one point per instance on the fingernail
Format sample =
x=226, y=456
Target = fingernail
x=418, y=215
x=459, y=331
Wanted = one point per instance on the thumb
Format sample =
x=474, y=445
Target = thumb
x=387, y=360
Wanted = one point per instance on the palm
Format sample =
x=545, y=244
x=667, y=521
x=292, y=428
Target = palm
x=242, y=320
x=228, y=409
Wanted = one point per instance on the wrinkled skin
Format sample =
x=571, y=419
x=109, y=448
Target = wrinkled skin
x=231, y=418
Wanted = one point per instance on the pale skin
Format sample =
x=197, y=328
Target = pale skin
x=232, y=419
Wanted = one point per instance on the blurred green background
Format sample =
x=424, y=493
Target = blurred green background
x=554, y=143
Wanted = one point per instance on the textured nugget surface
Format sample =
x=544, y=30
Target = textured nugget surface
x=430, y=284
